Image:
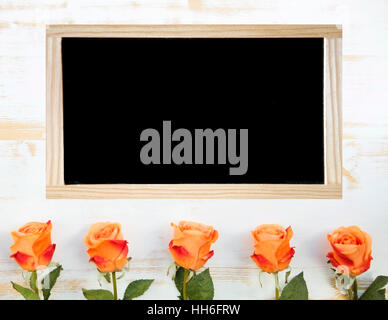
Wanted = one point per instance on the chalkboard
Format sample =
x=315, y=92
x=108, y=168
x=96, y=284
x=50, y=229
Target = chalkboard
x=136, y=110
x=193, y=111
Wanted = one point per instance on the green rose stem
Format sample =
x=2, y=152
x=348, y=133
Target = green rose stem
x=185, y=275
x=353, y=291
x=277, y=291
x=114, y=285
x=33, y=283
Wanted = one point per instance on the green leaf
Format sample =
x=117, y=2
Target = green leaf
x=28, y=294
x=137, y=288
x=33, y=279
x=376, y=290
x=106, y=275
x=287, y=275
x=97, y=294
x=200, y=287
x=49, y=281
x=296, y=289
x=179, y=281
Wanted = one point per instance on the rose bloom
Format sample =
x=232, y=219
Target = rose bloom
x=191, y=244
x=106, y=246
x=352, y=250
x=32, y=248
x=272, y=247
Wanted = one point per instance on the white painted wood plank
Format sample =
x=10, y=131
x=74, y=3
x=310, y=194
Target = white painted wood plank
x=146, y=222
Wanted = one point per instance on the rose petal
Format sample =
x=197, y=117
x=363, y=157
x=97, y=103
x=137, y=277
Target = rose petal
x=47, y=255
x=25, y=261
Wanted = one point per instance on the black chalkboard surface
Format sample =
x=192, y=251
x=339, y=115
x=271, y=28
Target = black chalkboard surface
x=125, y=101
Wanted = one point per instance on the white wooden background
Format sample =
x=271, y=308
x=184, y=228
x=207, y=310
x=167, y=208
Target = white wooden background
x=146, y=222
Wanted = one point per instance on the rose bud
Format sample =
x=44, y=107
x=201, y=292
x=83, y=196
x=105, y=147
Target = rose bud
x=352, y=250
x=107, y=249
x=272, y=247
x=191, y=244
x=32, y=248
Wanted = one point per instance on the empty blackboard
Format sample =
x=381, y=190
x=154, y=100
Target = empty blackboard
x=193, y=110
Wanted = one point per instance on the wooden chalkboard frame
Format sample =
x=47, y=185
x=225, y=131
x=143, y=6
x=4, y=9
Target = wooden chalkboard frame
x=331, y=189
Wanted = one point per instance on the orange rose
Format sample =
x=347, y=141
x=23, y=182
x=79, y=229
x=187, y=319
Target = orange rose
x=190, y=247
x=107, y=249
x=272, y=247
x=32, y=248
x=352, y=249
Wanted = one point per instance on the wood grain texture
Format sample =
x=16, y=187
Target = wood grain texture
x=145, y=223
x=332, y=189
x=195, y=191
x=193, y=31
x=12, y=130
x=333, y=107
x=54, y=113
